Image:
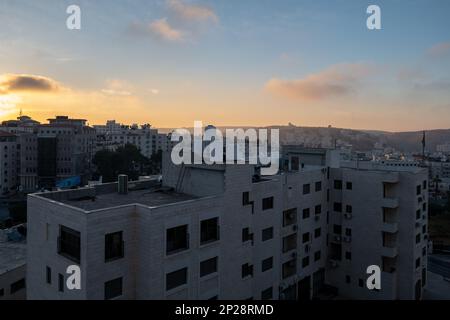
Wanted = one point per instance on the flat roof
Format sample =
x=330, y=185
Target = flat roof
x=148, y=197
x=12, y=255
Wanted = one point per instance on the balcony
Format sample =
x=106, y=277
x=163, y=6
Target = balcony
x=390, y=252
x=389, y=227
x=391, y=203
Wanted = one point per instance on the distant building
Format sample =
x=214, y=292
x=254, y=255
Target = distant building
x=224, y=232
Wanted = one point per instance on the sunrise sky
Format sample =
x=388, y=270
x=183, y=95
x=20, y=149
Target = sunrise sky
x=229, y=62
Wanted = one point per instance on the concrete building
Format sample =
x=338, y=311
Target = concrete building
x=223, y=231
x=9, y=163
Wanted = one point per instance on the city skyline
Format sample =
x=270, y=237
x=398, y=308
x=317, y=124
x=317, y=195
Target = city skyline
x=252, y=63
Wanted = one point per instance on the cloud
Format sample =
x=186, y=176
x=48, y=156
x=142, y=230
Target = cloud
x=439, y=49
x=164, y=30
x=190, y=12
x=335, y=81
x=27, y=82
x=116, y=87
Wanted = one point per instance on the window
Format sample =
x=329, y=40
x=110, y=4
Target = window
x=209, y=230
x=348, y=255
x=177, y=239
x=113, y=289
x=418, y=190
x=69, y=244
x=176, y=278
x=418, y=238
x=424, y=184
x=305, y=262
x=417, y=262
x=338, y=184
x=246, y=235
x=267, y=203
x=348, y=209
x=289, y=217
x=337, y=206
x=361, y=283
x=114, y=246
x=348, y=232
x=267, y=264
x=245, y=198
x=290, y=242
x=424, y=206
x=318, y=209
x=305, y=237
x=317, y=233
x=60, y=282
x=306, y=213
x=424, y=251
x=267, y=234
x=267, y=294
x=289, y=268
x=306, y=188
x=349, y=185
x=16, y=286
x=208, y=266
x=424, y=228
x=48, y=273
x=247, y=270
x=418, y=214
x=337, y=228
x=318, y=186
x=317, y=255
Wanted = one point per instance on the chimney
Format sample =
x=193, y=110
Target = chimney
x=122, y=184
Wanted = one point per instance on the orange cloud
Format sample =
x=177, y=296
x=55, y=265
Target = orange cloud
x=337, y=80
x=164, y=30
x=191, y=12
x=439, y=49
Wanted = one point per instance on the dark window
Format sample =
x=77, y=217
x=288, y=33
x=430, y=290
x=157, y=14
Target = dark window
x=290, y=242
x=348, y=232
x=60, y=282
x=424, y=206
x=267, y=264
x=349, y=186
x=417, y=262
x=247, y=270
x=418, y=214
x=337, y=206
x=348, y=255
x=424, y=228
x=361, y=283
x=305, y=237
x=267, y=294
x=246, y=235
x=208, y=266
x=113, y=289
x=418, y=189
x=114, y=246
x=69, y=244
x=306, y=213
x=418, y=238
x=318, y=209
x=289, y=268
x=245, y=198
x=177, y=239
x=209, y=230
x=305, y=262
x=317, y=255
x=424, y=184
x=18, y=285
x=306, y=188
x=337, y=228
x=267, y=203
x=348, y=209
x=317, y=233
x=338, y=184
x=267, y=234
x=318, y=186
x=424, y=251
x=48, y=272
x=176, y=278
x=289, y=217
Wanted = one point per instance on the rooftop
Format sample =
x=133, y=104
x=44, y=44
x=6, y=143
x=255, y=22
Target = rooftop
x=12, y=255
x=147, y=193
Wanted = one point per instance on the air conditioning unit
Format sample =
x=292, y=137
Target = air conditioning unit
x=348, y=239
x=291, y=215
x=333, y=263
x=338, y=238
x=347, y=215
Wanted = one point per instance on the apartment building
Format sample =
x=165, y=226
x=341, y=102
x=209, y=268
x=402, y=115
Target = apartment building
x=225, y=232
x=144, y=137
x=9, y=165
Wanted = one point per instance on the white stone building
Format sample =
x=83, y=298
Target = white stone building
x=223, y=232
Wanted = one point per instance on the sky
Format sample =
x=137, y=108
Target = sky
x=229, y=62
